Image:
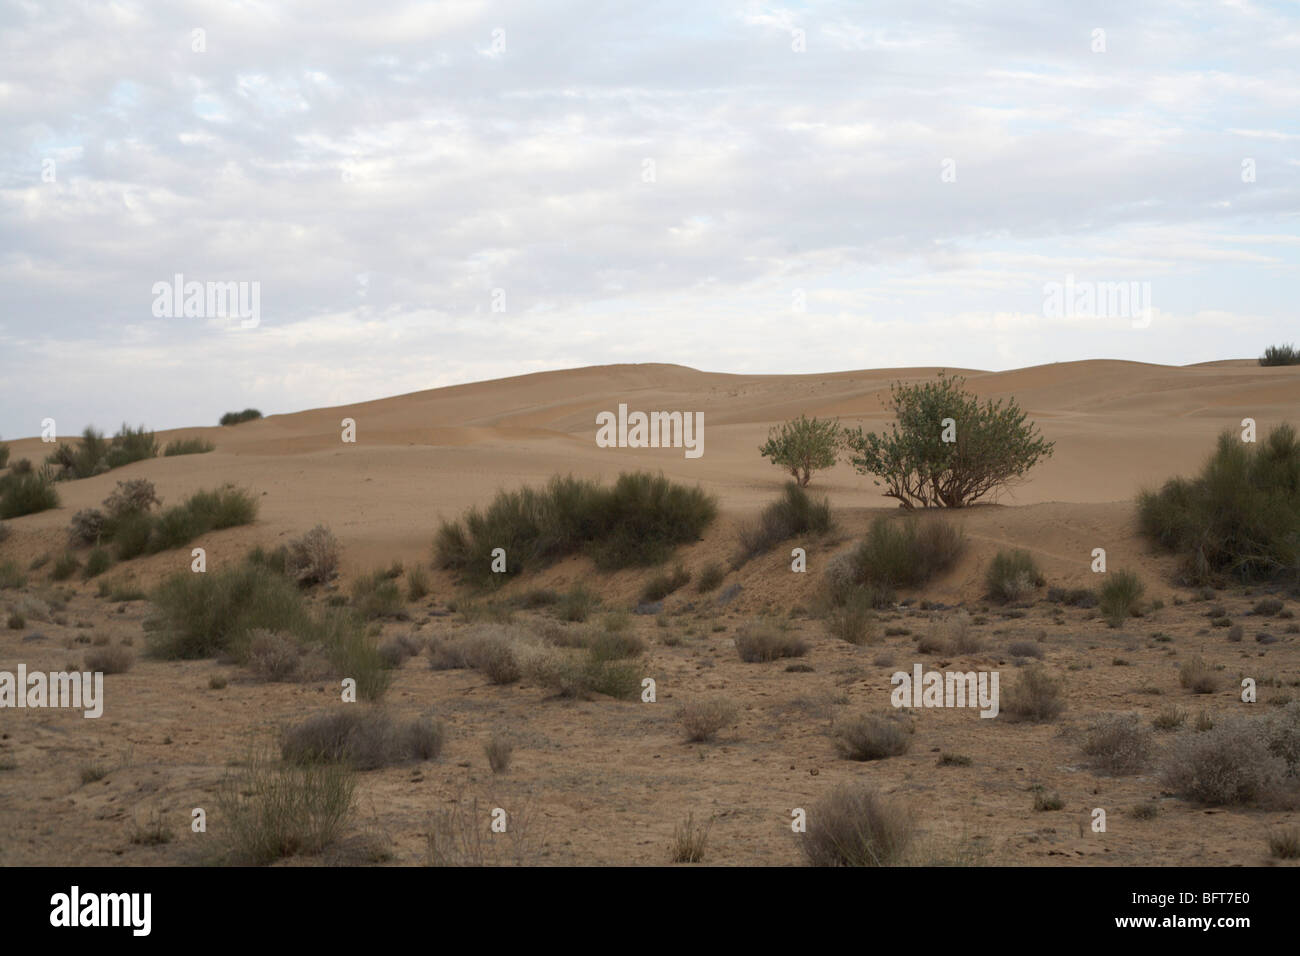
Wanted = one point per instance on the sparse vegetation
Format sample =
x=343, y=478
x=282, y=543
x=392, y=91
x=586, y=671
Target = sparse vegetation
x=26, y=493
x=665, y=583
x=109, y=660
x=188, y=446
x=365, y=738
x=852, y=621
x=96, y=455
x=895, y=554
x=1121, y=594
x=1012, y=576
x=499, y=749
x=1197, y=676
x=710, y=577
x=855, y=825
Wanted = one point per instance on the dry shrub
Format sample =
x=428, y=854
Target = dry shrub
x=1025, y=649
x=313, y=558
x=459, y=835
x=398, y=648
x=1035, y=696
x=109, y=660
x=1284, y=843
x=852, y=620
x=690, y=840
x=273, y=656
x=487, y=648
x=760, y=641
x=1198, y=676
x=499, y=749
x=871, y=737
x=1231, y=763
x=87, y=526
x=855, y=825
x=702, y=719
x=365, y=738
x=136, y=496
x=1118, y=744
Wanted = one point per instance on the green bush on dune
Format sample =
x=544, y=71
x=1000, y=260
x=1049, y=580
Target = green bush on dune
x=95, y=454
x=637, y=521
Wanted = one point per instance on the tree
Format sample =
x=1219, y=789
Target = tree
x=803, y=446
x=946, y=449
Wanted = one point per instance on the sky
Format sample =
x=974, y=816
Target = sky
x=429, y=193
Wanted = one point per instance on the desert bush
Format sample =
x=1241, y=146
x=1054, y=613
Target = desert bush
x=636, y=522
x=710, y=577
x=1012, y=576
x=417, y=584
x=1034, y=696
x=994, y=446
x=871, y=737
x=1025, y=649
x=109, y=660
x=499, y=750
x=1267, y=607
x=1118, y=744
x=236, y=418
x=314, y=557
x=761, y=641
x=16, y=621
x=269, y=811
x=11, y=576
x=1239, y=519
x=96, y=455
x=188, y=446
x=612, y=645
x=1280, y=355
x=1121, y=594
x=852, y=621
x=1169, y=717
x=25, y=494
x=136, y=496
x=272, y=656
x=97, y=562
x=795, y=513
x=65, y=567
x=1198, y=676
x=576, y=604
x=1230, y=763
x=690, y=841
x=803, y=446
x=365, y=738
x=86, y=527
x=855, y=825
x=665, y=583
x=702, y=719
x=376, y=595
x=1072, y=597
x=906, y=553
x=398, y=648
x=204, y=615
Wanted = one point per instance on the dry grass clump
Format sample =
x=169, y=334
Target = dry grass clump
x=580, y=674
x=871, y=737
x=1025, y=649
x=796, y=512
x=490, y=649
x=665, y=583
x=855, y=825
x=1035, y=696
x=702, y=719
x=950, y=635
x=1284, y=843
x=1231, y=763
x=499, y=749
x=314, y=557
x=1120, y=597
x=1169, y=717
x=690, y=841
x=1198, y=676
x=365, y=738
x=710, y=577
x=766, y=640
x=1012, y=576
x=460, y=835
x=109, y=660
x=273, y=656
x=852, y=620
x=576, y=604
x=1118, y=744
x=398, y=648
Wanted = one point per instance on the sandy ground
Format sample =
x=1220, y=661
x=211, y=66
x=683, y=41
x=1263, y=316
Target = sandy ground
x=606, y=781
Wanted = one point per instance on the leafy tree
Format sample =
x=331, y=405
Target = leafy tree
x=947, y=449
x=803, y=446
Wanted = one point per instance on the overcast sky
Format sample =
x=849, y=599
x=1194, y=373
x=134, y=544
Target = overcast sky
x=744, y=187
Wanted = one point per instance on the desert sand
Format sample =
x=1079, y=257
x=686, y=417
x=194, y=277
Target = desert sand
x=605, y=781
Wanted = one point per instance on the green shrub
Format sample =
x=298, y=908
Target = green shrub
x=1121, y=595
x=1012, y=575
x=803, y=446
x=710, y=577
x=96, y=455
x=852, y=620
x=576, y=604
x=25, y=494
x=903, y=554
x=11, y=576
x=188, y=446
x=794, y=513
x=1280, y=355
x=1239, y=519
x=236, y=418
x=665, y=583
x=638, y=521
x=97, y=562
x=417, y=584
x=65, y=567
x=376, y=595
x=994, y=446
x=205, y=615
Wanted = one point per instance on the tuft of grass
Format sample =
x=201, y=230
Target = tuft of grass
x=377, y=595
x=704, y=718
x=11, y=576
x=65, y=567
x=271, y=811
x=855, y=825
x=313, y=558
x=1012, y=576
x=499, y=749
x=690, y=841
x=188, y=446
x=1046, y=802
x=852, y=621
x=1284, y=842
x=417, y=584
x=795, y=513
x=871, y=737
x=1025, y=649
x=665, y=583
x=762, y=641
x=1120, y=596
x=1169, y=718
x=710, y=577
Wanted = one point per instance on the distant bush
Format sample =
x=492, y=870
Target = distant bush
x=188, y=446
x=1239, y=519
x=1280, y=355
x=665, y=583
x=314, y=557
x=136, y=496
x=1118, y=744
x=1072, y=597
x=691, y=840
x=803, y=446
x=994, y=445
x=1121, y=594
x=133, y=530
x=417, y=584
x=794, y=513
x=702, y=719
x=25, y=493
x=96, y=454
x=1012, y=575
x=761, y=641
x=636, y=522
x=871, y=737
x=236, y=418
x=1035, y=696
x=855, y=825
